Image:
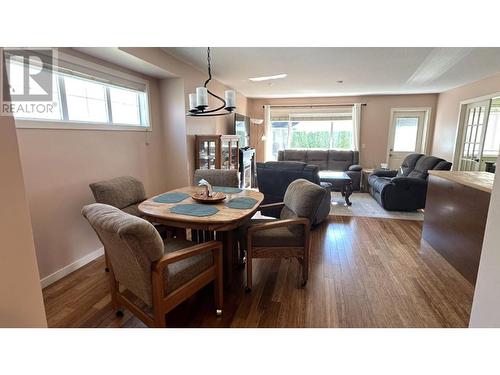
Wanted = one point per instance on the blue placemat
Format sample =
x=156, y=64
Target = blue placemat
x=170, y=197
x=241, y=203
x=226, y=189
x=194, y=209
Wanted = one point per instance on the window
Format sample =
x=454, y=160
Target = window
x=405, y=134
x=313, y=129
x=80, y=98
x=492, y=138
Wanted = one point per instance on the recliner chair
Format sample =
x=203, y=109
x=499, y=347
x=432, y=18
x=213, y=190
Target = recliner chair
x=405, y=189
x=274, y=177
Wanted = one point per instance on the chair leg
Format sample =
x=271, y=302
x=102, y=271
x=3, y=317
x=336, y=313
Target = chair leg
x=218, y=282
x=305, y=265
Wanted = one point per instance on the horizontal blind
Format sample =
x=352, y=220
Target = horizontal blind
x=311, y=114
x=81, y=70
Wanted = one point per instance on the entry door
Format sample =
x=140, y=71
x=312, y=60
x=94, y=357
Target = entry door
x=476, y=120
x=405, y=136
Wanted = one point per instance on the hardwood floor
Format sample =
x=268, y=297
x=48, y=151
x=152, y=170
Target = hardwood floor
x=365, y=272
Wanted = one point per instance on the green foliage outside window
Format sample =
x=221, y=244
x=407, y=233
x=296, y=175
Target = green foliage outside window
x=321, y=139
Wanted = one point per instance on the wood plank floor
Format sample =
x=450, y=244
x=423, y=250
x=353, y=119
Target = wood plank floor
x=365, y=272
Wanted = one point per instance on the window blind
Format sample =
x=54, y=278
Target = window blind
x=73, y=66
x=311, y=114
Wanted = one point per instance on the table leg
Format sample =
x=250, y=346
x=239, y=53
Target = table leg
x=229, y=246
x=180, y=233
x=347, y=193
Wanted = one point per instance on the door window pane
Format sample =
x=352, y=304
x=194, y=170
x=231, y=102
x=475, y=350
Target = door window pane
x=405, y=134
x=279, y=137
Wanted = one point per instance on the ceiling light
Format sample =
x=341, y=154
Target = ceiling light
x=266, y=78
x=198, y=102
x=340, y=81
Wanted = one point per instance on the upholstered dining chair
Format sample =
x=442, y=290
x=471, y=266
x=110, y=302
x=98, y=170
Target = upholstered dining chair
x=287, y=237
x=125, y=193
x=161, y=273
x=218, y=177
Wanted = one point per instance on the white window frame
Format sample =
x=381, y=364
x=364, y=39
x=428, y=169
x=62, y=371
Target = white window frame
x=462, y=110
x=425, y=131
x=289, y=133
x=86, y=67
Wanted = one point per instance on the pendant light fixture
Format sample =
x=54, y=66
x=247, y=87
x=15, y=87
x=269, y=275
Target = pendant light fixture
x=198, y=102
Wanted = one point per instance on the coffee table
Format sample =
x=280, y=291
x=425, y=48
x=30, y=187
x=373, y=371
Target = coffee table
x=338, y=179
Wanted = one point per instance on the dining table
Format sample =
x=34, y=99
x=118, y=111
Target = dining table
x=221, y=225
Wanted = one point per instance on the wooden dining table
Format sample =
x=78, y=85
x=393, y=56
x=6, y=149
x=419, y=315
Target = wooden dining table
x=223, y=223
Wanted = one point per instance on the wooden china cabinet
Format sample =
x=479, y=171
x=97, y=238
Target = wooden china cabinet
x=217, y=152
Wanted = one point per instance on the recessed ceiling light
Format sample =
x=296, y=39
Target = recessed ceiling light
x=266, y=78
x=340, y=81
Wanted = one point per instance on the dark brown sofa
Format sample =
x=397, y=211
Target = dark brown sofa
x=329, y=160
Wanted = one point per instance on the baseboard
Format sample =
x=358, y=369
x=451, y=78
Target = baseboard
x=59, y=274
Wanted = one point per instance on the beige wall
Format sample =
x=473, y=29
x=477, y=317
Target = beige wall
x=448, y=109
x=21, y=304
x=192, y=78
x=375, y=119
x=59, y=164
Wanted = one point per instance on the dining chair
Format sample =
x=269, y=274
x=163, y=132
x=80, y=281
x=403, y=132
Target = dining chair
x=218, y=177
x=125, y=193
x=289, y=236
x=162, y=273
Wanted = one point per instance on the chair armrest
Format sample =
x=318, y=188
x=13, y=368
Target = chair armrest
x=187, y=252
x=385, y=173
x=355, y=168
x=276, y=224
x=272, y=205
x=405, y=182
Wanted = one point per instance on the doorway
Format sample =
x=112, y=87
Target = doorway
x=478, y=145
x=407, y=134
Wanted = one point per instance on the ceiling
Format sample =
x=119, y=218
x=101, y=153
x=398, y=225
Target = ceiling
x=364, y=71
x=116, y=56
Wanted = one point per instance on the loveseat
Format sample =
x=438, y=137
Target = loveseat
x=405, y=189
x=329, y=160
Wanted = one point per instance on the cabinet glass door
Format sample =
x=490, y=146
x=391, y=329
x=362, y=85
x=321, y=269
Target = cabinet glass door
x=212, y=149
x=234, y=155
x=203, y=155
x=225, y=149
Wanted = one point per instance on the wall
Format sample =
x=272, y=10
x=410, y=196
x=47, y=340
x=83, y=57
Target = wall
x=192, y=78
x=58, y=166
x=375, y=119
x=174, y=132
x=21, y=304
x=448, y=108
x=486, y=304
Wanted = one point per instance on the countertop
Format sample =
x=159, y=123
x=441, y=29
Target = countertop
x=476, y=180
